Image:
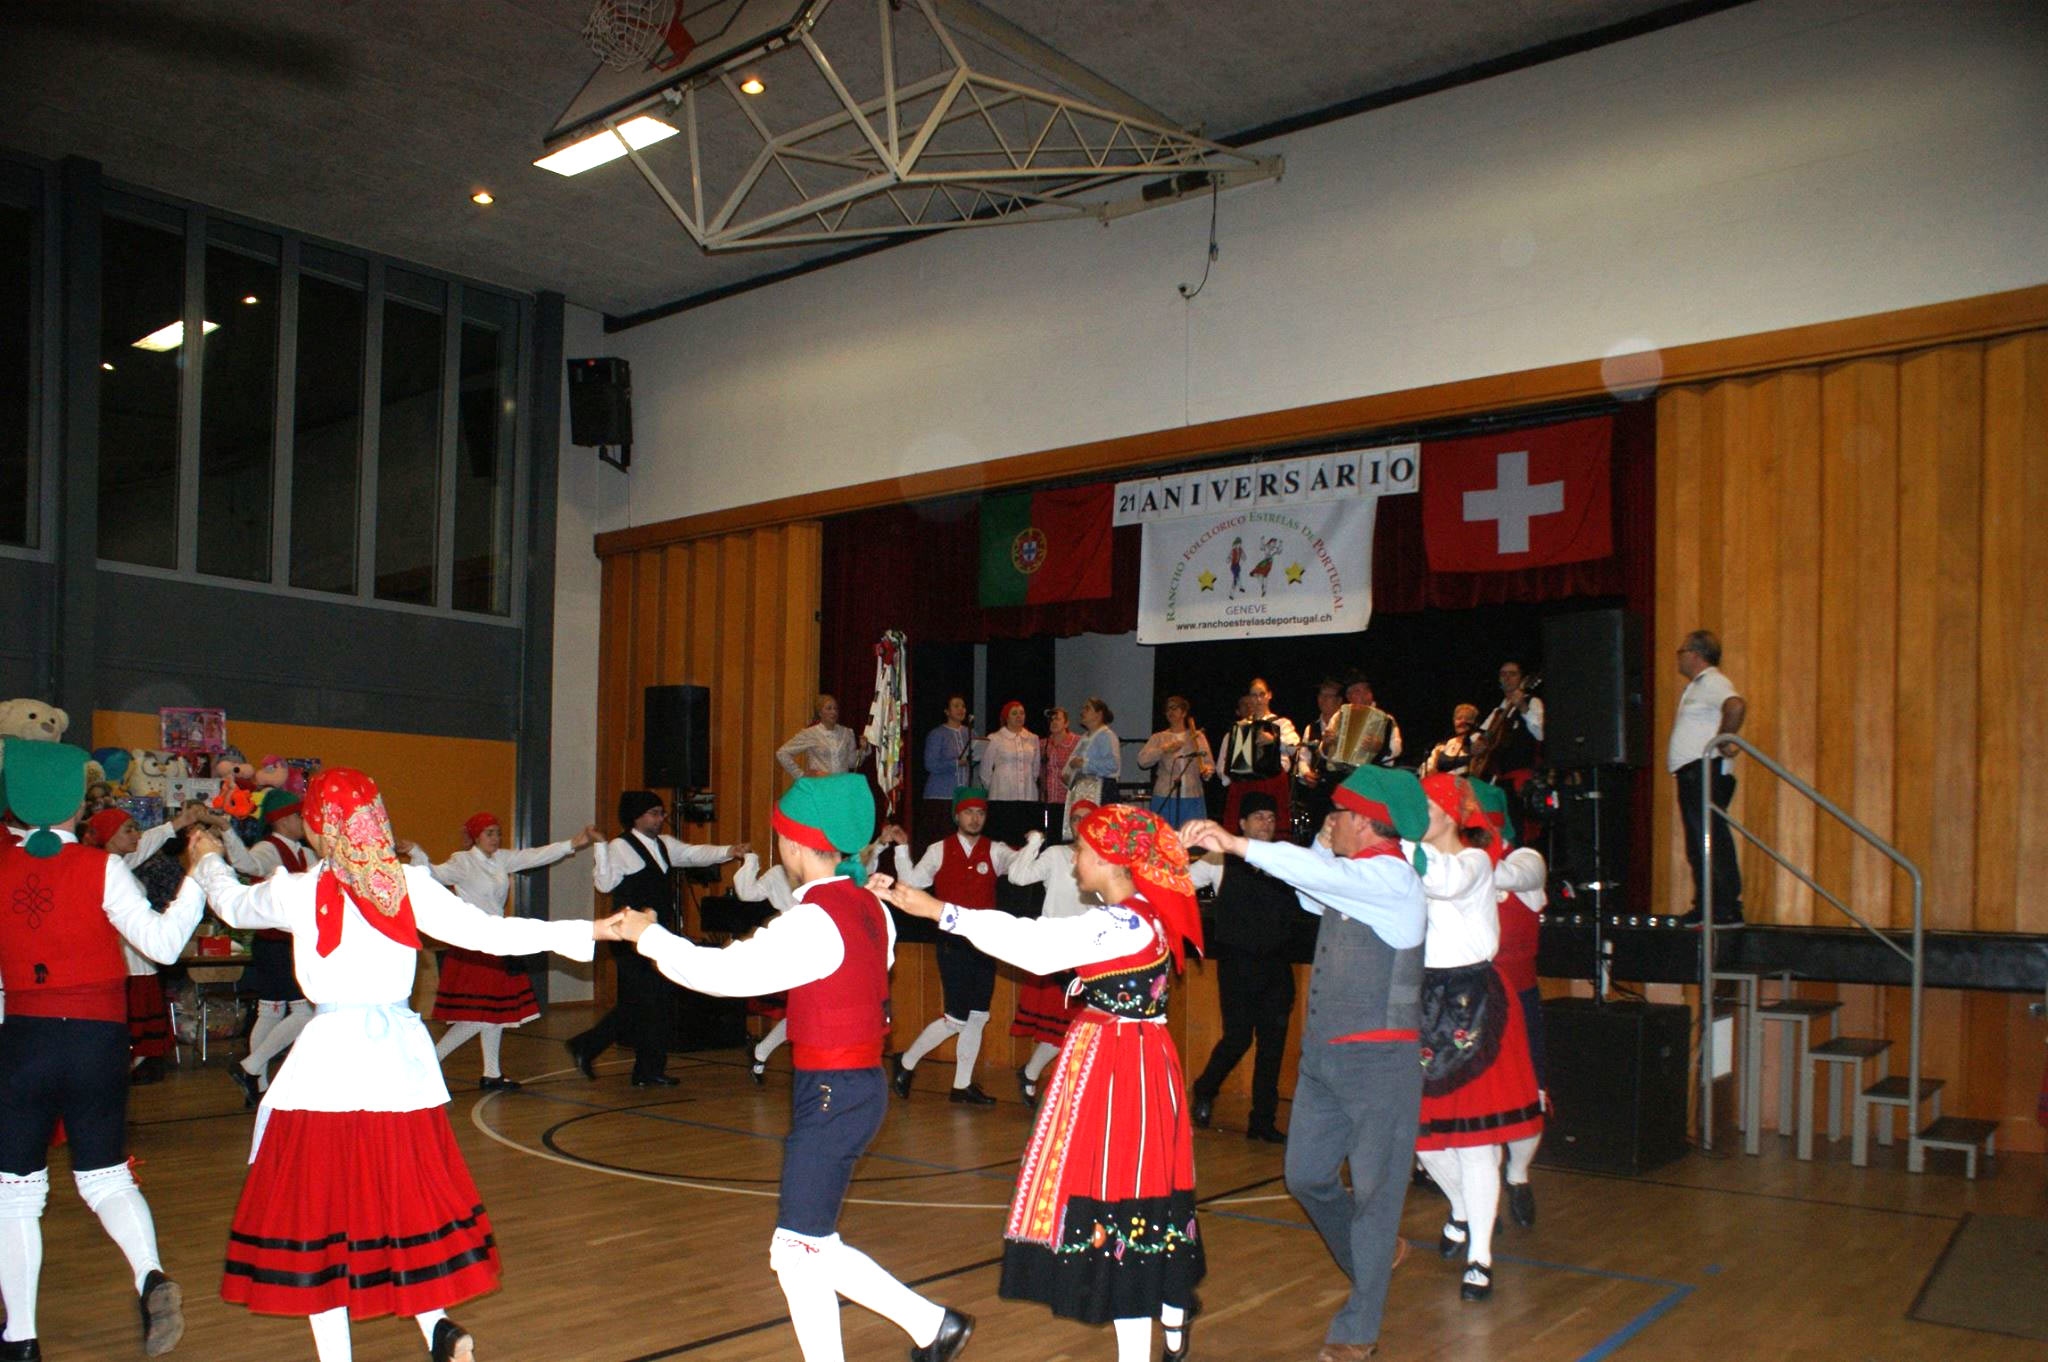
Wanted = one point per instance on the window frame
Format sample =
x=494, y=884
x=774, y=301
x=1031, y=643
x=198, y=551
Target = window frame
x=33, y=185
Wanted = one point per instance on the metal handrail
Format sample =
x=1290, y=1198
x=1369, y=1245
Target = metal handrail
x=1917, y=958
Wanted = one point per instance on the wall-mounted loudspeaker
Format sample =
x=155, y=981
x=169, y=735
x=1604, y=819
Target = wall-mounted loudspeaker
x=675, y=751
x=1593, y=692
x=601, y=407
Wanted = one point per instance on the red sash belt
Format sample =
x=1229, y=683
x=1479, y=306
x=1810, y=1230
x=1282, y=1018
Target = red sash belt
x=1376, y=1037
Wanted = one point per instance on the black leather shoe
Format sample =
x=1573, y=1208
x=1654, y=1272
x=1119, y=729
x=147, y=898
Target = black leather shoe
x=973, y=1096
x=954, y=1331
x=585, y=1061
x=658, y=1081
x=163, y=1314
x=1450, y=1245
x=149, y=1071
x=21, y=1350
x=451, y=1341
x=899, y=1077
x=1477, y=1284
x=1266, y=1131
x=1186, y=1331
x=246, y=1081
x=1201, y=1111
x=758, y=1071
x=1522, y=1204
x=1027, y=1090
x=493, y=1083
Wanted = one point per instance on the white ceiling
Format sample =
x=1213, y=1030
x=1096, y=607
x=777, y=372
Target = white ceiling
x=371, y=121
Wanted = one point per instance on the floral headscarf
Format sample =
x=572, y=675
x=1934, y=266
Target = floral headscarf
x=1145, y=844
x=343, y=806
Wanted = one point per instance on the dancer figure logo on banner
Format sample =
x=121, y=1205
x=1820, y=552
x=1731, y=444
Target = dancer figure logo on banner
x=1262, y=549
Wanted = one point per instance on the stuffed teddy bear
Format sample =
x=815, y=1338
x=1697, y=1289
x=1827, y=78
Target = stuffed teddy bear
x=36, y=720
x=150, y=772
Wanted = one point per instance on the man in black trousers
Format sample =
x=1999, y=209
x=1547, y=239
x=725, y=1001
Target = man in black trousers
x=1256, y=918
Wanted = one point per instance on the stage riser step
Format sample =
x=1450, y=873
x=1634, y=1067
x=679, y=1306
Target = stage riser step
x=1892, y=1092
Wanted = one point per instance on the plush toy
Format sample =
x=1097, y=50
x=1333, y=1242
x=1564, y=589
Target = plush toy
x=275, y=773
x=229, y=765
x=114, y=761
x=150, y=772
x=36, y=720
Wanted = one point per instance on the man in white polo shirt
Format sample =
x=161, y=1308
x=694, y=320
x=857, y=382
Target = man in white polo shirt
x=1708, y=707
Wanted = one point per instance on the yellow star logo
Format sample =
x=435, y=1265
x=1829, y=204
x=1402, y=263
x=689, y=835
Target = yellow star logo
x=1294, y=571
x=1207, y=579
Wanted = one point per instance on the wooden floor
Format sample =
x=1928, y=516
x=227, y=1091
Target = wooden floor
x=634, y=1225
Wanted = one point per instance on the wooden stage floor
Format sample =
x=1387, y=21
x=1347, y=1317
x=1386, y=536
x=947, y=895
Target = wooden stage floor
x=634, y=1225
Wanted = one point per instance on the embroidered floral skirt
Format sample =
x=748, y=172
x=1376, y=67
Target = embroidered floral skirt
x=1103, y=1223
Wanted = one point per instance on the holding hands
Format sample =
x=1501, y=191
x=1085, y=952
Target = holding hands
x=1210, y=836
x=906, y=898
x=199, y=844
x=892, y=834
x=589, y=836
x=625, y=925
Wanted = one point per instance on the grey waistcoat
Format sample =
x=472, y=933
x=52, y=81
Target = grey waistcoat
x=1360, y=983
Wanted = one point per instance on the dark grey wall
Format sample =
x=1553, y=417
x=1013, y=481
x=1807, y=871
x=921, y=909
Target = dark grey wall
x=26, y=592
x=285, y=659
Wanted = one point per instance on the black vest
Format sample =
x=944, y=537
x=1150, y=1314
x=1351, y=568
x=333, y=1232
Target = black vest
x=1255, y=913
x=651, y=886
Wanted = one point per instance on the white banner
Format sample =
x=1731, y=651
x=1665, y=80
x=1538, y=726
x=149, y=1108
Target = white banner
x=1354, y=473
x=1303, y=568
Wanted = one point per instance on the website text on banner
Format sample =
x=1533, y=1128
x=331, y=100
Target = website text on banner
x=1262, y=549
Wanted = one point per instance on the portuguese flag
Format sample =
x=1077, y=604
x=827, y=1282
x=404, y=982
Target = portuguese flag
x=1038, y=547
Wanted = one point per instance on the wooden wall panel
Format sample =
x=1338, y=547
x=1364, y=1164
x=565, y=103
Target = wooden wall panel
x=1865, y=537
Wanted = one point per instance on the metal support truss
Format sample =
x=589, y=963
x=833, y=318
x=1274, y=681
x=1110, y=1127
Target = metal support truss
x=950, y=148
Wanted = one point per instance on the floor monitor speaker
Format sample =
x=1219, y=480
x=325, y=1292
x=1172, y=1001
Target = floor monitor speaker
x=1618, y=1084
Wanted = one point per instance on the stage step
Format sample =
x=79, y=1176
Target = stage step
x=1799, y=1007
x=1843, y=1057
x=1892, y=1092
x=1880, y=1101
x=1847, y=1048
x=1965, y=1133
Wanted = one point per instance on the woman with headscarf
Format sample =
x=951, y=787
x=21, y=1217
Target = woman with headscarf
x=358, y=1202
x=481, y=994
x=1009, y=770
x=1102, y=1228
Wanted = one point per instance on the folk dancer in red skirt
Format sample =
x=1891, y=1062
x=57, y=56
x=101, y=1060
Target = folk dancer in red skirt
x=282, y=1010
x=64, y=1044
x=149, y=1018
x=1520, y=882
x=1479, y=1090
x=358, y=1202
x=1044, y=1006
x=1102, y=1228
x=830, y=952
x=479, y=994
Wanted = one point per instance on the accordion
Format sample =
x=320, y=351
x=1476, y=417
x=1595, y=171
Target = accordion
x=1356, y=735
x=1252, y=751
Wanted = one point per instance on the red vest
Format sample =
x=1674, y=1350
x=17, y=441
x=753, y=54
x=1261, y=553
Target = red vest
x=294, y=862
x=966, y=878
x=59, y=956
x=841, y=1020
x=1520, y=934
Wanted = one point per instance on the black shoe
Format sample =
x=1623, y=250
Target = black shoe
x=954, y=1331
x=1028, y=1090
x=1522, y=1204
x=163, y=1314
x=149, y=1071
x=657, y=1081
x=585, y=1061
x=899, y=1077
x=1186, y=1331
x=758, y=1071
x=1201, y=1111
x=246, y=1081
x=1266, y=1131
x=493, y=1083
x=1477, y=1283
x=448, y=1336
x=21, y=1350
x=972, y=1095
x=1456, y=1234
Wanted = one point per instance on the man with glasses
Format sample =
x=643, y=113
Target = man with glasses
x=1708, y=708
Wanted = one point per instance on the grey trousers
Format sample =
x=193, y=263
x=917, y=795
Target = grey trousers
x=1356, y=1103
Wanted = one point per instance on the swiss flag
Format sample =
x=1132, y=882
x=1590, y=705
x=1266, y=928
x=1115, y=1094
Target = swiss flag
x=1527, y=498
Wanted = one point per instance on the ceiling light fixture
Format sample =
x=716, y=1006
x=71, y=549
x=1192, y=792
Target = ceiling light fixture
x=251, y=299
x=108, y=365
x=604, y=146
x=752, y=86
x=172, y=336
x=483, y=198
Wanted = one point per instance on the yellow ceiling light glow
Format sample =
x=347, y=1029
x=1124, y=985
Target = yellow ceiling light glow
x=752, y=86
x=172, y=336
x=483, y=198
x=599, y=148
x=250, y=299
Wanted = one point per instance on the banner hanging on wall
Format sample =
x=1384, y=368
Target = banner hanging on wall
x=1279, y=548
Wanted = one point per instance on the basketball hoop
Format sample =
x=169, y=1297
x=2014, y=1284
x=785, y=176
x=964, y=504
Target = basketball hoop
x=629, y=33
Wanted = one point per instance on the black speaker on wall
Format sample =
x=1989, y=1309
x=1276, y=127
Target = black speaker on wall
x=601, y=405
x=1617, y=1074
x=1593, y=691
x=675, y=752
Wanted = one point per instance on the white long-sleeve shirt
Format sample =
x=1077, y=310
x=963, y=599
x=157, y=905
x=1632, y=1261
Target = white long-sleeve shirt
x=1053, y=867
x=151, y=842
x=1049, y=945
x=484, y=881
x=1383, y=892
x=1464, y=915
x=1175, y=760
x=261, y=861
x=1523, y=873
x=159, y=936
x=755, y=885
x=798, y=947
x=618, y=858
x=820, y=750
x=926, y=870
x=1009, y=765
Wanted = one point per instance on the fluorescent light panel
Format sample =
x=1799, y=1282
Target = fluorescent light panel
x=172, y=336
x=601, y=147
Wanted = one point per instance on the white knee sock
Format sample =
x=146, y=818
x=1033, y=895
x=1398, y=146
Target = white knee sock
x=1171, y=1318
x=453, y=1038
x=867, y=1283
x=492, y=1038
x=117, y=1201
x=22, y=1197
x=1133, y=1340
x=777, y=1034
x=268, y=1015
x=277, y=1040
x=969, y=1049
x=802, y=1269
x=930, y=1039
x=1443, y=1170
x=330, y=1335
x=1522, y=1153
x=1481, y=1175
x=1041, y=1055
x=427, y=1323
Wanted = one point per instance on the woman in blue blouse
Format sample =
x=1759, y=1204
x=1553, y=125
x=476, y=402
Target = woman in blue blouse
x=1097, y=760
x=948, y=764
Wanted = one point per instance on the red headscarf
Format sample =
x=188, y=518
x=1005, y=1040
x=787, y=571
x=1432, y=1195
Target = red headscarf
x=101, y=827
x=1084, y=809
x=343, y=806
x=1145, y=844
x=1455, y=796
x=473, y=826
